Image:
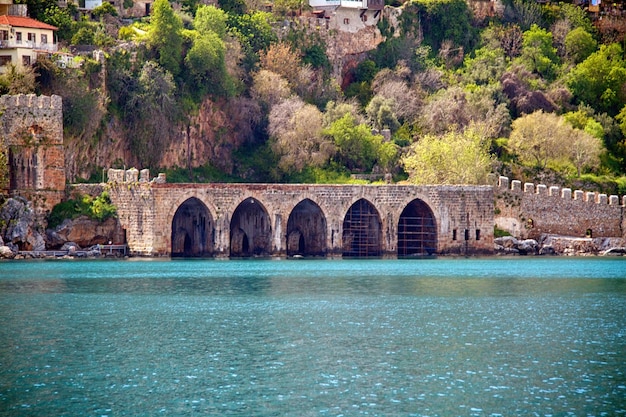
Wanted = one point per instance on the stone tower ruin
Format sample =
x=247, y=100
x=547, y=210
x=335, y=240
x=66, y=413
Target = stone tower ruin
x=31, y=131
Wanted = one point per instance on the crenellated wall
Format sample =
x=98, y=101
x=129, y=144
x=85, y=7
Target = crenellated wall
x=31, y=128
x=527, y=211
x=463, y=215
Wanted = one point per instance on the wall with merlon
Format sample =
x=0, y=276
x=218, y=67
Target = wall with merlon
x=146, y=210
x=31, y=127
x=539, y=209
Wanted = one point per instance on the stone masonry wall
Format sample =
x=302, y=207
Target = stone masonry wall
x=527, y=211
x=31, y=128
x=464, y=214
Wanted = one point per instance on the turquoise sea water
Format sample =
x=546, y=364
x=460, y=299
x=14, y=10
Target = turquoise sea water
x=444, y=337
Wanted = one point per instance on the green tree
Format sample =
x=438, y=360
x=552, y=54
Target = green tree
x=357, y=147
x=165, y=36
x=205, y=63
x=577, y=16
x=540, y=139
x=104, y=9
x=454, y=158
x=449, y=20
x=485, y=67
x=255, y=33
x=538, y=54
x=579, y=44
x=381, y=114
x=211, y=19
x=61, y=18
x=83, y=36
x=599, y=80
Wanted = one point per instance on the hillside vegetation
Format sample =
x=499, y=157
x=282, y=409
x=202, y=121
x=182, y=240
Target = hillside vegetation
x=232, y=93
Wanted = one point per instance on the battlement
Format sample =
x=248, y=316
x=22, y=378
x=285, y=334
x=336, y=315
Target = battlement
x=31, y=101
x=515, y=186
x=530, y=210
x=133, y=175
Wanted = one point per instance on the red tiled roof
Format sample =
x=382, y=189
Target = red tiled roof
x=25, y=22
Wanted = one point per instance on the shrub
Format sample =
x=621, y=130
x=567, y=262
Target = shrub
x=99, y=208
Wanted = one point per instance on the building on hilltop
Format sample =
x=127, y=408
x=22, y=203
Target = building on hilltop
x=348, y=15
x=22, y=39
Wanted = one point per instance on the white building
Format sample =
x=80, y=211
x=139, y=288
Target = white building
x=348, y=15
x=22, y=39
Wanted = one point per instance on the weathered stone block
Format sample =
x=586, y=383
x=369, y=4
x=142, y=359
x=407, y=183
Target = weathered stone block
x=144, y=175
x=542, y=190
x=529, y=187
x=566, y=193
x=132, y=175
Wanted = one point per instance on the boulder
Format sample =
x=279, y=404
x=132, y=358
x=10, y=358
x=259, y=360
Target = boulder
x=70, y=247
x=85, y=232
x=619, y=251
x=6, y=252
x=528, y=247
x=570, y=246
x=19, y=225
x=506, y=242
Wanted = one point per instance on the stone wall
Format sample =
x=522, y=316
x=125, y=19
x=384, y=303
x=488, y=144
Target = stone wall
x=527, y=211
x=146, y=208
x=31, y=128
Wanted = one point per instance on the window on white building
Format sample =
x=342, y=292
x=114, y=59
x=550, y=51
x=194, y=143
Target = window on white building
x=26, y=60
x=44, y=38
x=18, y=37
x=4, y=60
x=32, y=37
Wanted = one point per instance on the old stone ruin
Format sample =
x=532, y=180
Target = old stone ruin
x=553, y=220
x=538, y=219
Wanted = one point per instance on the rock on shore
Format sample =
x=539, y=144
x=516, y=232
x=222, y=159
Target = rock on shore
x=560, y=245
x=20, y=232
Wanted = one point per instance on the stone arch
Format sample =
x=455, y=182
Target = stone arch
x=193, y=230
x=362, y=230
x=417, y=230
x=306, y=230
x=250, y=230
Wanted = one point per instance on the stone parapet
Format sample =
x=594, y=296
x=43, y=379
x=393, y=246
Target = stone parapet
x=537, y=209
x=553, y=191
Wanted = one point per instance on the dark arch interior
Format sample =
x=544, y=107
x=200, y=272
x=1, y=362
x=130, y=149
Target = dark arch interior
x=362, y=231
x=192, y=230
x=417, y=230
x=250, y=230
x=306, y=230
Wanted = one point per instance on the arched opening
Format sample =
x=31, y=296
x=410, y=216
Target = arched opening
x=192, y=230
x=250, y=230
x=306, y=230
x=417, y=230
x=362, y=231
